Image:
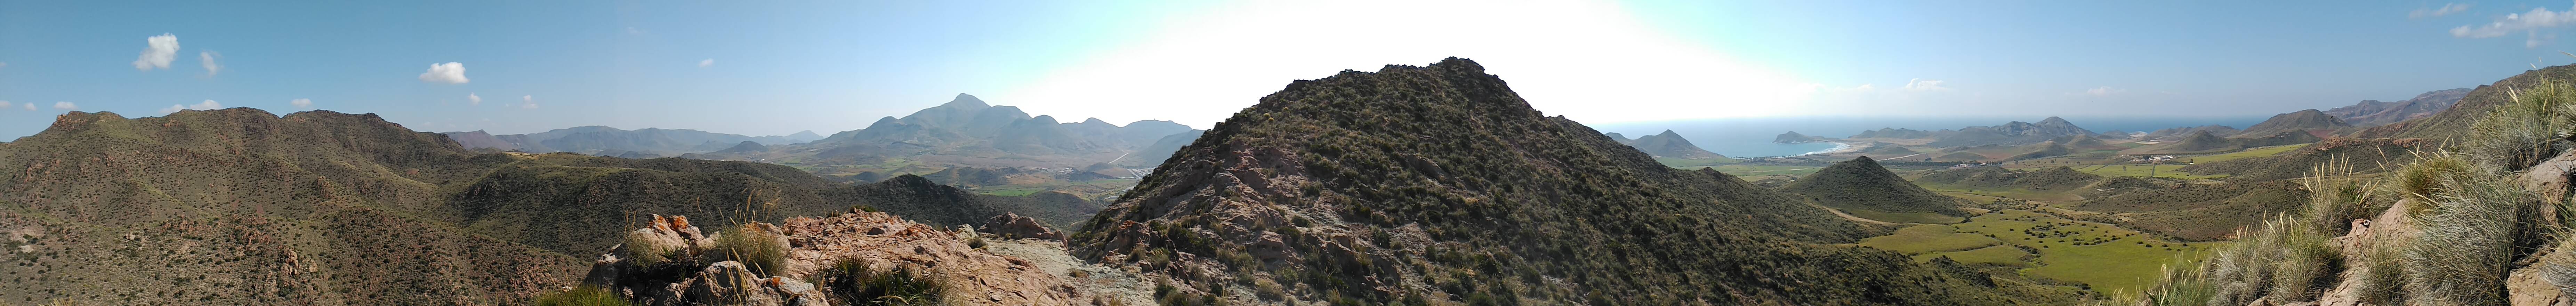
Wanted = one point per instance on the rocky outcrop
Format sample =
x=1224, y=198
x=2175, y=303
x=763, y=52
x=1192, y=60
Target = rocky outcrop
x=877, y=241
x=1011, y=225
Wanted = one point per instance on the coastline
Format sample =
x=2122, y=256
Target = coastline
x=1839, y=148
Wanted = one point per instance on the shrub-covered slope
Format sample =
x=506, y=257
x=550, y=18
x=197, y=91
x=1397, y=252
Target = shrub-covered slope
x=1416, y=184
x=1861, y=183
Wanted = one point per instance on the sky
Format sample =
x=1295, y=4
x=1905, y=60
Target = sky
x=778, y=67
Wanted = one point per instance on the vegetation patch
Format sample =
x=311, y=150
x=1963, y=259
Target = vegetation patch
x=1929, y=238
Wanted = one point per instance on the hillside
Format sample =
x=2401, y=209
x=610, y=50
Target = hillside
x=2050, y=179
x=1789, y=137
x=922, y=200
x=2183, y=132
x=1318, y=194
x=599, y=139
x=1861, y=184
x=2299, y=121
x=2205, y=142
x=1893, y=133
x=321, y=207
x=2370, y=113
x=2449, y=123
x=1671, y=145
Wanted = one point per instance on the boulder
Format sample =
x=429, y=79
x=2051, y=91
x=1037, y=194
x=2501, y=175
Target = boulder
x=1011, y=225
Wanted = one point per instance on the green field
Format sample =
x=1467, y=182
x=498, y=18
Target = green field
x=1929, y=238
x=2166, y=170
x=1892, y=217
x=2109, y=258
x=2254, y=152
x=2000, y=255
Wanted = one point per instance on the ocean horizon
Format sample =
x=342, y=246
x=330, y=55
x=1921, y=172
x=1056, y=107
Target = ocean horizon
x=1751, y=137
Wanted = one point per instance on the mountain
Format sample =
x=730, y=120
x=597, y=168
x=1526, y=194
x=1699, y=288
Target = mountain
x=1893, y=133
x=1861, y=184
x=2011, y=133
x=803, y=136
x=2376, y=113
x=240, y=206
x=2311, y=121
x=2179, y=132
x=2206, y=142
x=1311, y=189
x=479, y=139
x=967, y=132
x=1790, y=137
x=1161, y=149
x=745, y=146
x=1669, y=145
x=2452, y=122
x=598, y=139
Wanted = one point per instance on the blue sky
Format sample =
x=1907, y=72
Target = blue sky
x=780, y=67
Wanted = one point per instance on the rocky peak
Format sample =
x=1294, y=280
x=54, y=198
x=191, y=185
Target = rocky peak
x=966, y=101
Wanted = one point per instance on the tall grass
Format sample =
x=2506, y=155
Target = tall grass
x=2285, y=259
x=850, y=282
x=2334, y=202
x=2534, y=126
x=2467, y=242
x=582, y=296
x=755, y=245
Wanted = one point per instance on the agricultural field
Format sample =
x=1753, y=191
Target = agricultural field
x=2254, y=152
x=2103, y=257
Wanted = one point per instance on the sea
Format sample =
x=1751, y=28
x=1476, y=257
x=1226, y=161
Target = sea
x=1751, y=137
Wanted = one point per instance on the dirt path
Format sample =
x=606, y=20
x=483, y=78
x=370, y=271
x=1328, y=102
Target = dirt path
x=1839, y=212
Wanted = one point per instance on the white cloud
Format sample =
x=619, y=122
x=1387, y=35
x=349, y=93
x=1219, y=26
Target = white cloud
x=2104, y=91
x=471, y=99
x=64, y=105
x=29, y=105
x=157, y=52
x=1919, y=84
x=207, y=59
x=301, y=103
x=4, y=104
x=528, y=101
x=708, y=62
x=450, y=72
x=208, y=105
x=4, y=64
x=1591, y=61
x=634, y=31
x=2446, y=9
x=2534, y=20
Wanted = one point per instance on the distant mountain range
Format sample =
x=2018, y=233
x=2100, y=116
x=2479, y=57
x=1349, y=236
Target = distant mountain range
x=614, y=141
x=2375, y=113
x=967, y=132
x=2453, y=123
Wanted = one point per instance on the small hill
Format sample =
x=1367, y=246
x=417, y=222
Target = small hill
x=2299, y=121
x=1669, y=144
x=2085, y=142
x=1310, y=189
x=1790, y=137
x=2364, y=155
x=2042, y=150
x=2375, y=113
x=1862, y=184
x=478, y=139
x=2010, y=134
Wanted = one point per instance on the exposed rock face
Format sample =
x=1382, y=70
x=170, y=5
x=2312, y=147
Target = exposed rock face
x=1011, y=225
x=879, y=241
